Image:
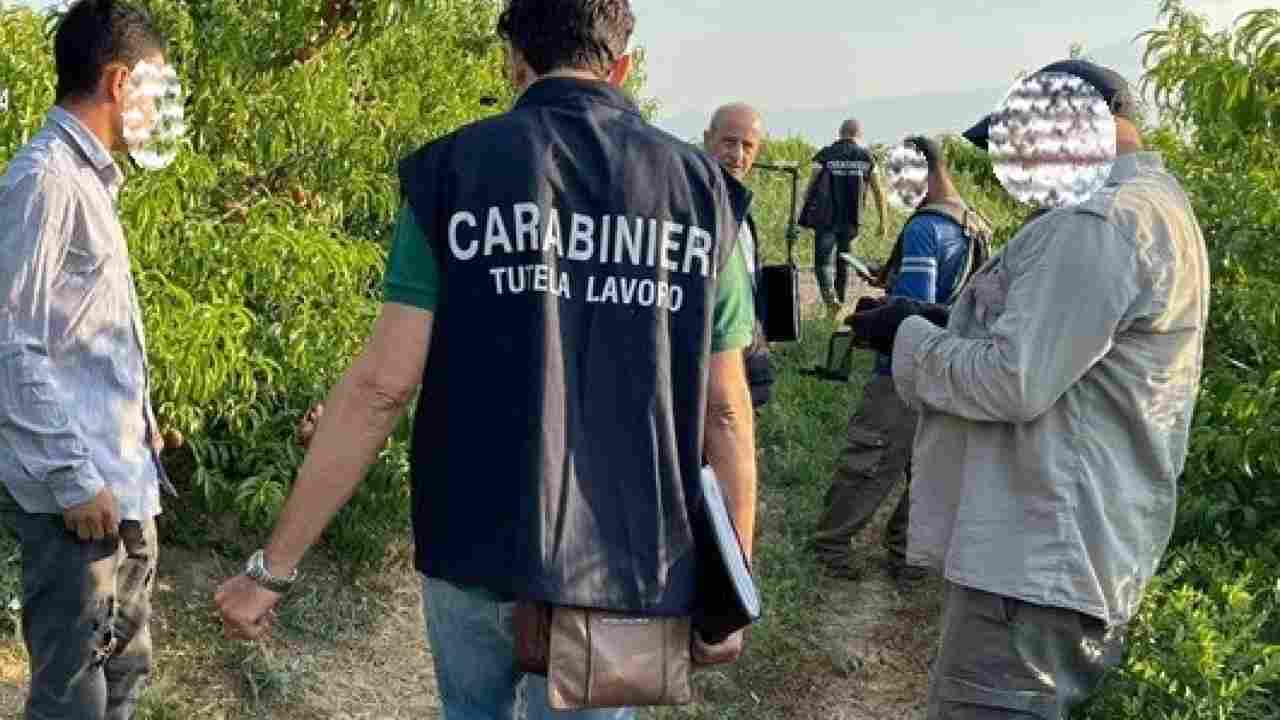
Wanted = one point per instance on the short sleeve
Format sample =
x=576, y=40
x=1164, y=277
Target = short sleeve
x=733, y=319
x=412, y=278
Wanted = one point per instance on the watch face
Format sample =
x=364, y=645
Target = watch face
x=257, y=571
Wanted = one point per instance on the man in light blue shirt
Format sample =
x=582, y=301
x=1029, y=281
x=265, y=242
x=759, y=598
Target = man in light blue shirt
x=78, y=440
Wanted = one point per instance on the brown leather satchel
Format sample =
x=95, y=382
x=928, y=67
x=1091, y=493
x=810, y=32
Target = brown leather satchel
x=594, y=659
x=599, y=659
x=604, y=660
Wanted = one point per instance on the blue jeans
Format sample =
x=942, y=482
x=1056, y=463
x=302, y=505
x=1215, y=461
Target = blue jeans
x=474, y=650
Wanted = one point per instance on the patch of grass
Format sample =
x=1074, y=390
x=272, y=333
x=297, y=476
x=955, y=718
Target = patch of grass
x=200, y=673
x=799, y=434
x=327, y=608
x=10, y=584
x=268, y=679
x=156, y=704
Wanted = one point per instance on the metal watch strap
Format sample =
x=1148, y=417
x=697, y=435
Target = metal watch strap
x=256, y=569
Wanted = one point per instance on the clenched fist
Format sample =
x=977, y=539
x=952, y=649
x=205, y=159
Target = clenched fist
x=246, y=608
x=723, y=653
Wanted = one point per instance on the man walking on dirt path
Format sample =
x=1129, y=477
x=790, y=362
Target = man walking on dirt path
x=842, y=173
x=734, y=138
x=565, y=287
x=940, y=246
x=79, y=446
x=1055, y=410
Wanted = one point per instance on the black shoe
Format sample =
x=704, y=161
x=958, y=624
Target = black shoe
x=841, y=567
x=904, y=574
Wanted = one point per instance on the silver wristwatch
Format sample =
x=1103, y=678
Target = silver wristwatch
x=256, y=569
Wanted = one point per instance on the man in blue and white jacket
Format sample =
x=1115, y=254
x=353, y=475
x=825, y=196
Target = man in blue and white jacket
x=933, y=257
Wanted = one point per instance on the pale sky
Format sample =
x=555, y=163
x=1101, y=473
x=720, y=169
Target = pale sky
x=819, y=54
x=808, y=63
x=800, y=54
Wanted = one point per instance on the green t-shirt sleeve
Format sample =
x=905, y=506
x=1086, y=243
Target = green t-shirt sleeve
x=733, y=320
x=412, y=276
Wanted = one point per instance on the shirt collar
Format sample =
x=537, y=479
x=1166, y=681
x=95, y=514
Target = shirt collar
x=94, y=152
x=557, y=90
x=1127, y=167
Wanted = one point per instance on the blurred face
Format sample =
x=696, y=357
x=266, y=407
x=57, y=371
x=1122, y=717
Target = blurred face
x=735, y=141
x=116, y=93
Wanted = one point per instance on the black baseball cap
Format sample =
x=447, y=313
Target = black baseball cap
x=1115, y=89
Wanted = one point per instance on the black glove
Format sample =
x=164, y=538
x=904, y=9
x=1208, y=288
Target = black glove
x=793, y=233
x=879, y=327
x=865, y=304
x=928, y=147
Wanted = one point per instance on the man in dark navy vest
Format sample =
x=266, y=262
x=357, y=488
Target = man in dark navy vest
x=844, y=171
x=574, y=273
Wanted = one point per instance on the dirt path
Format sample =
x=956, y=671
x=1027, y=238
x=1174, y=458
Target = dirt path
x=341, y=653
x=879, y=637
x=884, y=634
x=358, y=653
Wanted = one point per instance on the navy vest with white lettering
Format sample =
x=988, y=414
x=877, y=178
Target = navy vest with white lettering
x=850, y=165
x=558, y=437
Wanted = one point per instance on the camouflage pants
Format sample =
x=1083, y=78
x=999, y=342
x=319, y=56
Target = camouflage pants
x=86, y=607
x=876, y=457
x=1000, y=658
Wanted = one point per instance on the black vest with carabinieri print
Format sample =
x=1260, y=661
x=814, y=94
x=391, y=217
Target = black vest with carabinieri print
x=558, y=438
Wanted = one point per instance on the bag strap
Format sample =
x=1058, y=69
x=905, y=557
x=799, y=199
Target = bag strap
x=791, y=218
x=973, y=225
x=749, y=223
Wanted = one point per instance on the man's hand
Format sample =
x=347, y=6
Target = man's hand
x=879, y=327
x=928, y=147
x=865, y=304
x=362, y=411
x=724, y=653
x=308, y=424
x=246, y=607
x=97, y=519
x=157, y=442
x=793, y=233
